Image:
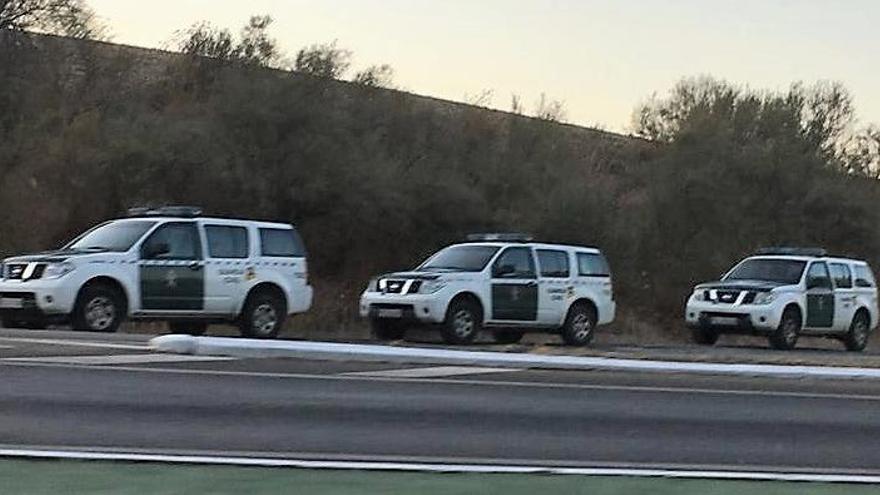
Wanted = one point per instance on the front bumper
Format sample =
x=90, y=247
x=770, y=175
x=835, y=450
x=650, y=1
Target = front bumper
x=732, y=318
x=418, y=308
x=36, y=298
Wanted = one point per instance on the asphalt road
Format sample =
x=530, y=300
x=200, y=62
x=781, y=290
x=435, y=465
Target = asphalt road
x=83, y=391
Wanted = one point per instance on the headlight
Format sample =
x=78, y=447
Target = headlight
x=699, y=295
x=431, y=286
x=764, y=298
x=58, y=270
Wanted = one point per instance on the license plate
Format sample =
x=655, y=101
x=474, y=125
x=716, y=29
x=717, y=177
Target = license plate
x=724, y=322
x=7, y=303
x=390, y=313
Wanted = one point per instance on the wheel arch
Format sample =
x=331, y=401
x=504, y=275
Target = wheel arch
x=265, y=287
x=111, y=282
x=469, y=296
x=582, y=301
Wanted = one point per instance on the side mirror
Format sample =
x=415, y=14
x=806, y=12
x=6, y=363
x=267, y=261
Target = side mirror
x=155, y=250
x=504, y=270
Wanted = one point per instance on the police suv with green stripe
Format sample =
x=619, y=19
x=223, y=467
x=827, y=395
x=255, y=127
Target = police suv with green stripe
x=501, y=282
x=170, y=264
x=783, y=293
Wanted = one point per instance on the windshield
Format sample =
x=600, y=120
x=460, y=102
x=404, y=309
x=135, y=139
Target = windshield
x=772, y=270
x=460, y=259
x=114, y=236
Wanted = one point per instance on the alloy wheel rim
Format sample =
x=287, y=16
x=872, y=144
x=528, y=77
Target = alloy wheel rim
x=582, y=326
x=861, y=331
x=790, y=330
x=463, y=323
x=100, y=313
x=264, y=319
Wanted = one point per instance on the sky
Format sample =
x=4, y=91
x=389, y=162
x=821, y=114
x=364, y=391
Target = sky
x=600, y=57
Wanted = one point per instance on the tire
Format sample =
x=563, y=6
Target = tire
x=579, y=326
x=99, y=308
x=785, y=337
x=705, y=336
x=187, y=327
x=263, y=316
x=385, y=330
x=856, y=338
x=463, y=323
x=507, y=336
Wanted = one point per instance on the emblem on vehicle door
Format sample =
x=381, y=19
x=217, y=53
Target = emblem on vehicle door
x=171, y=279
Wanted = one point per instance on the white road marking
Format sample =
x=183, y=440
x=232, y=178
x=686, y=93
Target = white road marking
x=462, y=382
x=452, y=467
x=78, y=343
x=432, y=372
x=115, y=359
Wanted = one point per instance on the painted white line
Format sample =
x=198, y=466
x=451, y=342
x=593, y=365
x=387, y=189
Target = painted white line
x=331, y=351
x=433, y=372
x=117, y=359
x=458, y=382
x=435, y=468
x=78, y=343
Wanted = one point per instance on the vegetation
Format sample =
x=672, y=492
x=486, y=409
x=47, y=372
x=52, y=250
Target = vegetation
x=377, y=179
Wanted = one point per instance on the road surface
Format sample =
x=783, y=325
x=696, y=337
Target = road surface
x=87, y=391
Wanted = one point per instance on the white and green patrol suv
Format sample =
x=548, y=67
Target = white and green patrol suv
x=787, y=292
x=167, y=264
x=501, y=282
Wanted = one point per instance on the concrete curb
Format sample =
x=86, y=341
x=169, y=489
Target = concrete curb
x=329, y=351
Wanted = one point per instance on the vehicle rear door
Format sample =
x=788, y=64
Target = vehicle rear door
x=171, y=269
x=554, y=284
x=820, y=297
x=515, y=286
x=844, y=295
x=227, y=268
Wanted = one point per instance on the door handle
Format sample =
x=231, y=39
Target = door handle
x=532, y=284
x=195, y=266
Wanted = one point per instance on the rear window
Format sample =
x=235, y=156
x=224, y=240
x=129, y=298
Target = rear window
x=554, y=264
x=593, y=265
x=281, y=243
x=864, y=277
x=227, y=242
x=841, y=275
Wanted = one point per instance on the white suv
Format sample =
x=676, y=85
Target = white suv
x=787, y=292
x=502, y=282
x=167, y=264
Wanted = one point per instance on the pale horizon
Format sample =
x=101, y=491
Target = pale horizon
x=600, y=57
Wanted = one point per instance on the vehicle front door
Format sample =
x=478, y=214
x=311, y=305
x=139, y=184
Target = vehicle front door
x=820, y=297
x=844, y=295
x=172, y=276
x=515, y=286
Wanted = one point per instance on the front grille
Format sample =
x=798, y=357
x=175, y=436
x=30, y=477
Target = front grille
x=727, y=296
x=750, y=297
x=17, y=271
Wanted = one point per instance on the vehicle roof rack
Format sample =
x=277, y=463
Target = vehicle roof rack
x=165, y=211
x=500, y=237
x=792, y=251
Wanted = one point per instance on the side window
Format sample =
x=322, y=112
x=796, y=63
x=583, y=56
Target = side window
x=864, y=277
x=592, y=265
x=842, y=275
x=227, y=242
x=173, y=241
x=281, y=243
x=818, y=277
x=514, y=262
x=554, y=264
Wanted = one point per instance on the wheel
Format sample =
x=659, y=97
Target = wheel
x=99, y=308
x=579, y=325
x=385, y=330
x=507, y=336
x=263, y=316
x=785, y=337
x=704, y=336
x=187, y=327
x=857, y=337
x=463, y=322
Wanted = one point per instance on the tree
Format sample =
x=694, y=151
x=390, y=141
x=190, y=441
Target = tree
x=379, y=76
x=323, y=60
x=550, y=110
x=253, y=47
x=71, y=18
